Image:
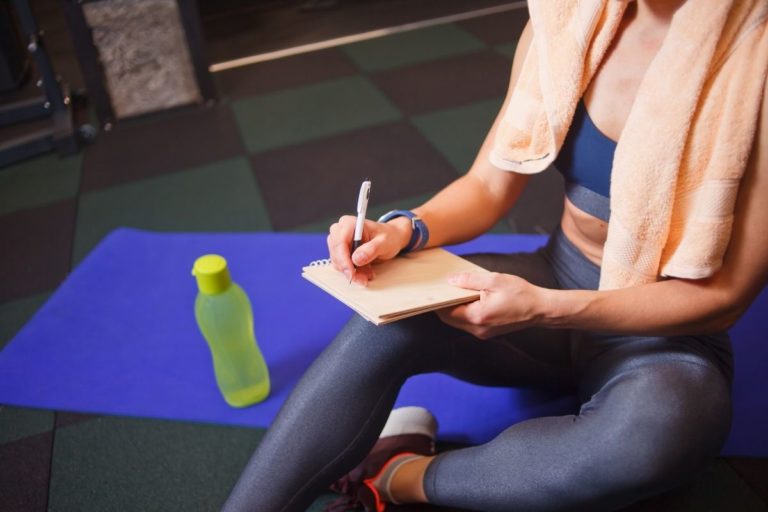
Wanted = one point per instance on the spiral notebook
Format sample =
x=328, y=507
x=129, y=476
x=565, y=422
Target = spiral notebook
x=405, y=286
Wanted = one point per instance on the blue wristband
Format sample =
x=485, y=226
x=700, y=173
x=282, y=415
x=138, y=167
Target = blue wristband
x=419, y=231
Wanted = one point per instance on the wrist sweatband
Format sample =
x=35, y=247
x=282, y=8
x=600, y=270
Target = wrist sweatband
x=419, y=231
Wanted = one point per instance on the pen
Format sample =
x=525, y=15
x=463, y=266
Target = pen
x=362, y=206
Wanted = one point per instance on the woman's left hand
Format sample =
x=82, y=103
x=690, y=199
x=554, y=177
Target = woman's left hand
x=507, y=303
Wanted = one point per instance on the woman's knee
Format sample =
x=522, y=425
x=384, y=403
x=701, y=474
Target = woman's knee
x=671, y=424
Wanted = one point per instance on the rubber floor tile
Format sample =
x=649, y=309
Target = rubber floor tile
x=458, y=133
x=754, y=471
x=217, y=197
x=446, y=83
x=238, y=28
x=38, y=181
x=321, y=179
x=411, y=47
x=304, y=113
x=20, y=422
x=36, y=250
x=374, y=212
x=495, y=29
x=507, y=50
x=160, y=144
x=275, y=75
x=14, y=314
x=66, y=419
x=24, y=469
x=117, y=464
x=718, y=489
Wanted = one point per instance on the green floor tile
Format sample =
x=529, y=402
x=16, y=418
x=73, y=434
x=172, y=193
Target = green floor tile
x=14, y=314
x=17, y=423
x=412, y=47
x=507, y=49
x=38, y=181
x=218, y=197
x=303, y=113
x=459, y=132
x=126, y=464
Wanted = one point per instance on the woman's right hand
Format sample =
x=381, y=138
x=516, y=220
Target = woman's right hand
x=381, y=241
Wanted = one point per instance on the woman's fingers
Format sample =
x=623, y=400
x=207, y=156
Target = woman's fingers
x=339, y=244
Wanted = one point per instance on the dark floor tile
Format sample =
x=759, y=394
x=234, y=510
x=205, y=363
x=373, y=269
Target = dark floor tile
x=495, y=29
x=24, y=469
x=754, y=471
x=446, y=83
x=37, y=247
x=284, y=73
x=65, y=419
x=540, y=206
x=412, y=47
x=717, y=489
x=113, y=463
x=319, y=179
x=237, y=28
x=16, y=313
x=161, y=144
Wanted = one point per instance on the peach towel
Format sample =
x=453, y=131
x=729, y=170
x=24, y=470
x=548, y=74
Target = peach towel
x=687, y=140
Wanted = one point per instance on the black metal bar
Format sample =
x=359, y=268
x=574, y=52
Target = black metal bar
x=23, y=110
x=21, y=148
x=35, y=46
x=90, y=64
x=190, y=20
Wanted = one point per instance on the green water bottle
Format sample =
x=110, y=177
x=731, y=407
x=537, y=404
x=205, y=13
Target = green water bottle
x=224, y=315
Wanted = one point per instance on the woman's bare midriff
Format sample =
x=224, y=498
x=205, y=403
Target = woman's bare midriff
x=585, y=231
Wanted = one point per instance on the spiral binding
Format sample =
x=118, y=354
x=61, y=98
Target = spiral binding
x=319, y=263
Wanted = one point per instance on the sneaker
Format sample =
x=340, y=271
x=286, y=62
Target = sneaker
x=409, y=430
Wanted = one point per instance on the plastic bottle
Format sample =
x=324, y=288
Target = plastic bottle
x=224, y=315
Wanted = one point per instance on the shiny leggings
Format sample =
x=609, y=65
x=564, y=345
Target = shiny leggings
x=654, y=410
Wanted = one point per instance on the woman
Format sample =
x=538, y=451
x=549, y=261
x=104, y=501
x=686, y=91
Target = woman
x=649, y=357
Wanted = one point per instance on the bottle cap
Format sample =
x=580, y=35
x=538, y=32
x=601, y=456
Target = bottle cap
x=212, y=274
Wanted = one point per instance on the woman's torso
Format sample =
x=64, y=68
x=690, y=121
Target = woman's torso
x=608, y=101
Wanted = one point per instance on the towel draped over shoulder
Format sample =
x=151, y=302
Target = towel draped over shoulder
x=686, y=142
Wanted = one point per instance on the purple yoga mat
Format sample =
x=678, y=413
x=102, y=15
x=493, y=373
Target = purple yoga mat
x=119, y=337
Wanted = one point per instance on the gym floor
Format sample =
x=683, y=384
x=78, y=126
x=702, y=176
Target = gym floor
x=309, y=126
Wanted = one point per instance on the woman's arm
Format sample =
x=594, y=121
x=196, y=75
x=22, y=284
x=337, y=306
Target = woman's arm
x=463, y=210
x=674, y=306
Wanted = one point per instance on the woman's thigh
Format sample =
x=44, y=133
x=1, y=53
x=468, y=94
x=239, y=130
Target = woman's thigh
x=533, y=357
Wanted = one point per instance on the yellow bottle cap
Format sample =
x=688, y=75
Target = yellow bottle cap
x=212, y=274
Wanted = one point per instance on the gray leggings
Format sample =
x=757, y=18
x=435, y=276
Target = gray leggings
x=654, y=410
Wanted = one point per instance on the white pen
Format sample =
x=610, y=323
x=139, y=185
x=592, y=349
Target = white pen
x=362, y=206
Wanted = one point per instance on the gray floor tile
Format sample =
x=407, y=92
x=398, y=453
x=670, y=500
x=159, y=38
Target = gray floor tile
x=120, y=464
x=303, y=113
x=459, y=132
x=17, y=423
x=38, y=181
